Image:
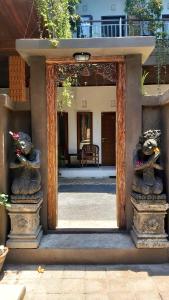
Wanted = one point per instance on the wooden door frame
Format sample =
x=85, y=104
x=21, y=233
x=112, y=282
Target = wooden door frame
x=52, y=163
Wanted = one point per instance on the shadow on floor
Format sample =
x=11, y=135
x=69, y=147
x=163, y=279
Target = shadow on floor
x=87, y=188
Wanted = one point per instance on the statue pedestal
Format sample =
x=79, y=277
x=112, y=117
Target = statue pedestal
x=26, y=231
x=148, y=228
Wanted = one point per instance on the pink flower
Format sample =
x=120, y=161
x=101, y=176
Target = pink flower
x=15, y=135
x=18, y=152
x=139, y=163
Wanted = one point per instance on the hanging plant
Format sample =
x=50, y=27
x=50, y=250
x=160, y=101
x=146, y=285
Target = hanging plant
x=57, y=18
x=66, y=96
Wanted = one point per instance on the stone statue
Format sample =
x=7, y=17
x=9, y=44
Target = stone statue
x=27, y=180
x=147, y=180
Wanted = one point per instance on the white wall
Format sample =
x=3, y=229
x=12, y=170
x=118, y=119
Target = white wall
x=97, y=99
x=156, y=89
x=165, y=7
x=98, y=8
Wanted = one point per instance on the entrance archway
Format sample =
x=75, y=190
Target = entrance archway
x=52, y=169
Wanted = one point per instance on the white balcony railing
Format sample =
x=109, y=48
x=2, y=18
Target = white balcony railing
x=120, y=28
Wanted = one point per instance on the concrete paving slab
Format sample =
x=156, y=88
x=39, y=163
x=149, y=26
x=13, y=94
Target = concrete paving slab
x=12, y=292
x=87, y=205
x=148, y=296
x=130, y=282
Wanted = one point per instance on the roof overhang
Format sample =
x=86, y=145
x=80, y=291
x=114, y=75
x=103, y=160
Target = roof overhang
x=95, y=46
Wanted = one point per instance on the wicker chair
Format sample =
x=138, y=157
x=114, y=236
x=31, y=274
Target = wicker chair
x=90, y=153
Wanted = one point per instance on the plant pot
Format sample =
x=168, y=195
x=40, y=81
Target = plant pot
x=2, y=258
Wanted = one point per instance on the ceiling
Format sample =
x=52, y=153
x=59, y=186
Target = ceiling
x=18, y=19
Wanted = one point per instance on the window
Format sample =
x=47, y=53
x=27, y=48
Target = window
x=84, y=29
x=113, y=26
x=84, y=129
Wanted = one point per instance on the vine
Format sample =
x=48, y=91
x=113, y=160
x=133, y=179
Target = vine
x=57, y=18
x=66, y=96
x=150, y=12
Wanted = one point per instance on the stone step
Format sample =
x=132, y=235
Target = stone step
x=87, y=248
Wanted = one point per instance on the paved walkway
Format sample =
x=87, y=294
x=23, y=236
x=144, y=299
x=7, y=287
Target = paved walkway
x=69, y=282
x=87, y=203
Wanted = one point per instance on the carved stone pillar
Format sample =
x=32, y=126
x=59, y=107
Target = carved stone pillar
x=26, y=231
x=148, y=226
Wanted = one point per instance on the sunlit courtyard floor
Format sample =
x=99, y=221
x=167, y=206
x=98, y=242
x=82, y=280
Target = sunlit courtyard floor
x=87, y=203
x=89, y=282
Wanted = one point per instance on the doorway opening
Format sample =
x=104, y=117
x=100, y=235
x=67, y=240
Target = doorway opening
x=87, y=150
x=118, y=63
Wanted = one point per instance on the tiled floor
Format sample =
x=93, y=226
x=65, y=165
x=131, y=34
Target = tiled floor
x=101, y=282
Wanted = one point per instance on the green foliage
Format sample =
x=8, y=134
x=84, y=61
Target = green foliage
x=146, y=10
x=66, y=96
x=143, y=9
x=58, y=17
x=150, y=10
x=144, y=76
x=4, y=200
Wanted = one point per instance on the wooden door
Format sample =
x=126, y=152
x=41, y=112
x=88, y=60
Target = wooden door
x=62, y=135
x=108, y=138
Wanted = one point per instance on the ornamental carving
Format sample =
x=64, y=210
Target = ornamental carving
x=21, y=221
x=151, y=225
x=76, y=71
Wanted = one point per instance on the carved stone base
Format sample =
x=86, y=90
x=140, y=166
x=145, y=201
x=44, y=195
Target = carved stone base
x=26, y=231
x=35, y=198
x=148, y=228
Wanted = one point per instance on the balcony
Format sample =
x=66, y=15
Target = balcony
x=120, y=28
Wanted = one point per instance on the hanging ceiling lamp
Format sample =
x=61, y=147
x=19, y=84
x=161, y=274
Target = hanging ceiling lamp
x=81, y=56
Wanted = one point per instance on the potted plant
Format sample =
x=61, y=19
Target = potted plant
x=4, y=201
